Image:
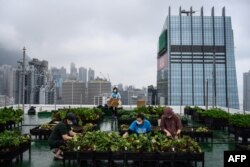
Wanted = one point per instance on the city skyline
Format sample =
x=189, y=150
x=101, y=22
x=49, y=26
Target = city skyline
x=99, y=38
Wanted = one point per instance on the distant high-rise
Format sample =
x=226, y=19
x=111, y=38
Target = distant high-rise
x=246, y=91
x=46, y=95
x=73, y=72
x=152, y=95
x=98, y=87
x=7, y=80
x=91, y=74
x=83, y=74
x=35, y=77
x=73, y=92
x=195, y=51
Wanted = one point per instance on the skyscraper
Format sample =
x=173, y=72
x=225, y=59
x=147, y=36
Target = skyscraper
x=35, y=78
x=7, y=80
x=73, y=72
x=246, y=91
x=196, y=59
x=91, y=74
x=83, y=74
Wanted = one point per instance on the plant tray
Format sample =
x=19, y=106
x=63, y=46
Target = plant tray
x=216, y=123
x=14, y=153
x=41, y=134
x=198, y=136
x=69, y=155
x=242, y=147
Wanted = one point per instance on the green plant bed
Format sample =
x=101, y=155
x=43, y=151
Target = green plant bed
x=10, y=118
x=153, y=142
x=216, y=113
x=199, y=134
x=240, y=120
x=44, y=114
x=13, y=144
x=84, y=115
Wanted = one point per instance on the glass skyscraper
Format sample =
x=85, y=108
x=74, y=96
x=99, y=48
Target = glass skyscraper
x=196, y=64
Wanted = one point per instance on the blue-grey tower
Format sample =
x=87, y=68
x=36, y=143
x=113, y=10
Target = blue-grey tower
x=196, y=63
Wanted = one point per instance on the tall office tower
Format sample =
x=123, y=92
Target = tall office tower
x=196, y=63
x=246, y=91
x=73, y=72
x=83, y=74
x=36, y=78
x=91, y=74
x=73, y=92
x=98, y=87
x=7, y=80
x=63, y=72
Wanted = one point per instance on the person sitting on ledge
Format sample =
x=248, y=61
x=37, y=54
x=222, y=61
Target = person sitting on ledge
x=170, y=123
x=61, y=133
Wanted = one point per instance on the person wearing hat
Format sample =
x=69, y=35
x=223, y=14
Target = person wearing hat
x=61, y=133
x=140, y=125
x=170, y=123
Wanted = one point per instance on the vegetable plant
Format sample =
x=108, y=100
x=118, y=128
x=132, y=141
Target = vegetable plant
x=240, y=120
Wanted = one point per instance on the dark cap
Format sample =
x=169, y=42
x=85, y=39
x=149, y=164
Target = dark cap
x=70, y=116
x=168, y=112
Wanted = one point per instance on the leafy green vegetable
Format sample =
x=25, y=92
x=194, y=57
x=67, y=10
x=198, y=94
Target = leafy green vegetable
x=240, y=120
x=11, y=139
x=157, y=142
x=9, y=114
x=216, y=113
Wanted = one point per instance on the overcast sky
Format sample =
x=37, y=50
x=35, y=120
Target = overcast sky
x=114, y=37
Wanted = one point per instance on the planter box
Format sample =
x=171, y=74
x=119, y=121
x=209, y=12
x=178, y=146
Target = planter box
x=197, y=117
x=70, y=155
x=85, y=155
x=189, y=111
x=40, y=133
x=242, y=132
x=215, y=123
x=242, y=147
x=16, y=152
x=198, y=136
x=102, y=155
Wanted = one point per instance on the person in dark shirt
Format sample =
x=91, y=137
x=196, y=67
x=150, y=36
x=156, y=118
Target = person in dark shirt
x=61, y=133
x=170, y=123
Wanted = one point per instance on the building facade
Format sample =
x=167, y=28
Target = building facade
x=246, y=91
x=73, y=92
x=98, y=87
x=196, y=63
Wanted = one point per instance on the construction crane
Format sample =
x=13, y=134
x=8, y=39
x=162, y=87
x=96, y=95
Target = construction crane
x=187, y=12
x=103, y=76
x=108, y=77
